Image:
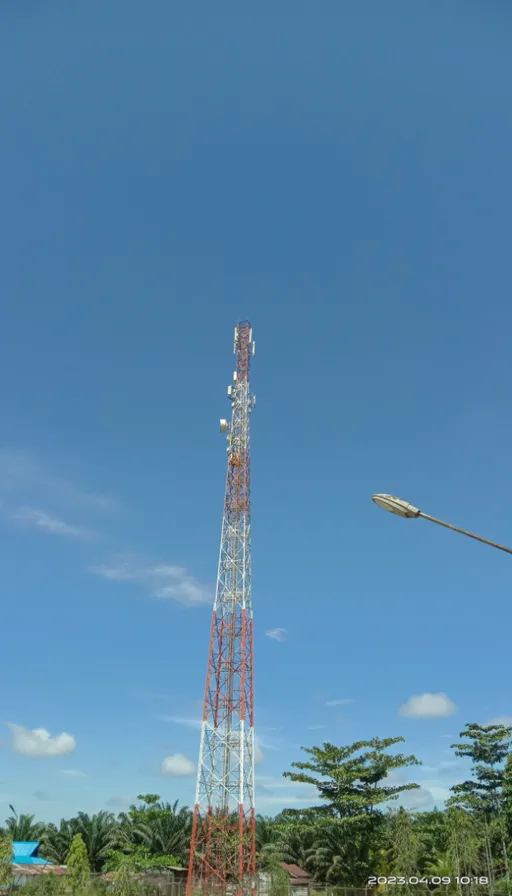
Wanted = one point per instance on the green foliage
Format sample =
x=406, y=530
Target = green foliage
x=350, y=835
x=78, y=869
x=139, y=859
x=279, y=878
x=266, y=834
x=56, y=842
x=443, y=866
x=484, y=796
x=24, y=828
x=50, y=884
x=507, y=795
x=150, y=799
x=464, y=842
x=351, y=782
x=162, y=829
x=432, y=830
x=338, y=853
x=295, y=842
x=125, y=883
x=100, y=833
x=6, y=857
x=405, y=850
x=488, y=747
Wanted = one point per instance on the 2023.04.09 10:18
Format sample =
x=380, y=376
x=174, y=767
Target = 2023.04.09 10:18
x=435, y=881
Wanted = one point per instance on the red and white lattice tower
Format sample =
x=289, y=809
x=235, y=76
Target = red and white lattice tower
x=223, y=846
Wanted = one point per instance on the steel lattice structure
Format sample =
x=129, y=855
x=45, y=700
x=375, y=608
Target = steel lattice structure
x=223, y=847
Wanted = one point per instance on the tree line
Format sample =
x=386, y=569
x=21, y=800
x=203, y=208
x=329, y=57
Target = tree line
x=353, y=835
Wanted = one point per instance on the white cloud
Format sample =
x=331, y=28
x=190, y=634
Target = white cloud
x=438, y=792
x=271, y=783
x=73, y=773
x=162, y=581
x=285, y=801
x=415, y=799
x=39, y=742
x=277, y=634
x=315, y=727
x=342, y=702
x=289, y=792
x=500, y=720
x=178, y=766
x=428, y=706
x=258, y=754
x=179, y=720
x=39, y=520
x=119, y=802
x=149, y=695
x=21, y=474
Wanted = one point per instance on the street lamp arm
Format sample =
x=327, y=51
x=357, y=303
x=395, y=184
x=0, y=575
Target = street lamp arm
x=493, y=544
x=408, y=511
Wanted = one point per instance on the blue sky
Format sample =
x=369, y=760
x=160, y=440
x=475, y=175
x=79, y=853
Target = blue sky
x=339, y=173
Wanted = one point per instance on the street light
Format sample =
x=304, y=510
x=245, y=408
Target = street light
x=408, y=511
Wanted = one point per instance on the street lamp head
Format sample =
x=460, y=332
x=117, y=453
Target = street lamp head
x=396, y=506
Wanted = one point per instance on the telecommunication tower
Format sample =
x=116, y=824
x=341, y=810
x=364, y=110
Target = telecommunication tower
x=223, y=846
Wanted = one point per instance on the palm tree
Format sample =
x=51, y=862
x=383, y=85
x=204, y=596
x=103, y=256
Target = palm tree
x=266, y=834
x=56, y=842
x=443, y=866
x=100, y=834
x=24, y=828
x=167, y=831
x=161, y=828
x=338, y=856
x=295, y=842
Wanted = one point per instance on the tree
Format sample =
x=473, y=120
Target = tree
x=125, y=882
x=6, y=859
x=100, y=833
x=50, y=884
x=279, y=877
x=441, y=867
x=405, y=850
x=78, y=869
x=23, y=828
x=336, y=856
x=351, y=785
x=295, y=842
x=160, y=828
x=351, y=781
x=138, y=858
x=488, y=747
x=432, y=830
x=266, y=834
x=464, y=843
x=56, y=842
x=507, y=795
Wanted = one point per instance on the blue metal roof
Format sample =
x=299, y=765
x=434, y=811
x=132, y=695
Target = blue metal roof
x=30, y=860
x=25, y=847
x=25, y=853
